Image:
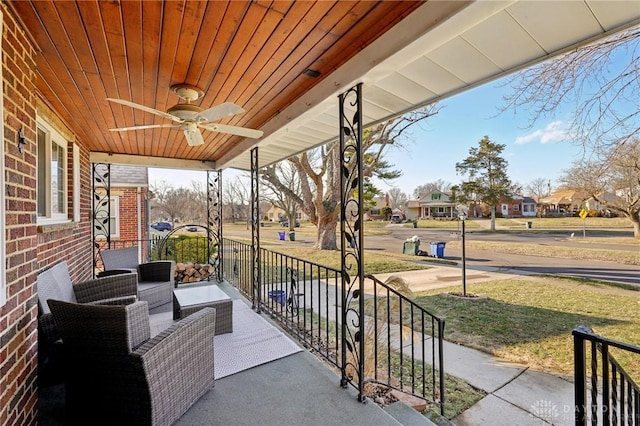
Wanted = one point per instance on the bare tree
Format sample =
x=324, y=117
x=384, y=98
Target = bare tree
x=158, y=195
x=284, y=200
x=198, y=210
x=429, y=187
x=397, y=199
x=612, y=179
x=319, y=172
x=601, y=82
x=235, y=197
x=176, y=202
x=538, y=189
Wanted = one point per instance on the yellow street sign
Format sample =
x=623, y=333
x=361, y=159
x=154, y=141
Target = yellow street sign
x=583, y=213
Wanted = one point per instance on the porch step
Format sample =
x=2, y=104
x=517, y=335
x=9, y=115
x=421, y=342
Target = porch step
x=406, y=415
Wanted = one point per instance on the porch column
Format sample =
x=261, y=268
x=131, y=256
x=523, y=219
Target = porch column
x=100, y=210
x=256, y=277
x=214, y=221
x=352, y=239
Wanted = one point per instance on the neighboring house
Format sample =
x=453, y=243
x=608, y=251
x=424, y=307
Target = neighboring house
x=129, y=218
x=436, y=205
x=601, y=208
x=412, y=211
x=276, y=214
x=562, y=202
x=377, y=211
x=518, y=207
x=529, y=207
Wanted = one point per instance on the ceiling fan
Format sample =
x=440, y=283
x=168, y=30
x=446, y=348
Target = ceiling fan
x=189, y=118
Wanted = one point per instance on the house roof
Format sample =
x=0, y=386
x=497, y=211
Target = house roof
x=284, y=62
x=563, y=197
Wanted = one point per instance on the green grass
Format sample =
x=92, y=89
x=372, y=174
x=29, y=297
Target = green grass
x=595, y=252
x=444, y=224
x=566, y=222
x=375, y=262
x=530, y=320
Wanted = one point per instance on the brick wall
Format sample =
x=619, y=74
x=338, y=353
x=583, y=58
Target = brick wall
x=18, y=317
x=29, y=248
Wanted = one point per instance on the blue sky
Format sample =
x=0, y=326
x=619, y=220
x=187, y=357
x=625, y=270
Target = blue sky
x=542, y=151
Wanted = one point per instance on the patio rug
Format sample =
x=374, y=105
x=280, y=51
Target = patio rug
x=254, y=341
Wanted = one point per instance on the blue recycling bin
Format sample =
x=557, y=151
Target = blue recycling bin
x=279, y=296
x=281, y=235
x=437, y=249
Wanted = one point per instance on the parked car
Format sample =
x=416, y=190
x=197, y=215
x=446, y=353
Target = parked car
x=285, y=223
x=162, y=226
x=396, y=218
x=192, y=228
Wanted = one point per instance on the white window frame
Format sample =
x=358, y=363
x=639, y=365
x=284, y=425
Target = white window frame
x=115, y=210
x=76, y=183
x=53, y=136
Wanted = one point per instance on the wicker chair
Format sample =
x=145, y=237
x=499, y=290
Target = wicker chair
x=115, y=374
x=55, y=283
x=155, y=279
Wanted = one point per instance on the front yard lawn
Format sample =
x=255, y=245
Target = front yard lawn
x=530, y=320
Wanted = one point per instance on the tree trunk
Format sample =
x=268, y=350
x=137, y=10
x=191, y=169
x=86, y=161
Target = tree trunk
x=636, y=229
x=326, y=239
x=493, y=219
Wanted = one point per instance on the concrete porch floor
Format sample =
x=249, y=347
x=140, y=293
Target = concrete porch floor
x=296, y=389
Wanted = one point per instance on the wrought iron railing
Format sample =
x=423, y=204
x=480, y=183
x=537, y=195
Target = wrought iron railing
x=403, y=342
x=604, y=392
x=179, y=248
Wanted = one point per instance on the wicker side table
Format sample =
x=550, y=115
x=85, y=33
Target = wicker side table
x=189, y=300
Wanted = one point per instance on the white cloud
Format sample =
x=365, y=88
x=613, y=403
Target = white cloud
x=554, y=132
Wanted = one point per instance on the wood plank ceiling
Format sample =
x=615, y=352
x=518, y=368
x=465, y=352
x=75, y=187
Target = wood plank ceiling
x=255, y=54
x=252, y=53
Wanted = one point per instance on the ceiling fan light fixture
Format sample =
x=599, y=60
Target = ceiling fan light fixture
x=192, y=134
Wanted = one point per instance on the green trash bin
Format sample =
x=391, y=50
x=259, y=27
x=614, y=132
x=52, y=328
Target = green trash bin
x=292, y=235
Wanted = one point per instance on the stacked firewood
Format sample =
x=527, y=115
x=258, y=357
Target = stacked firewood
x=192, y=272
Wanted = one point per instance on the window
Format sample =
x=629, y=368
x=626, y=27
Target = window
x=374, y=212
x=516, y=207
x=52, y=175
x=114, y=219
x=435, y=196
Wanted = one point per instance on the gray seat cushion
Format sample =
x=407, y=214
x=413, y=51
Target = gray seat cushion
x=54, y=283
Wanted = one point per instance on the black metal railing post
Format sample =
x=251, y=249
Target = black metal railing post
x=352, y=237
x=580, y=377
x=615, y=398
x=256, y=277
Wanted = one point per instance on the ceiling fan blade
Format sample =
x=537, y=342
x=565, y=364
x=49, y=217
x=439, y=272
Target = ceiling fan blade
x=146, y=126
x=234, y=130
x=146, y=109
x=219, y=111
x=192, y=134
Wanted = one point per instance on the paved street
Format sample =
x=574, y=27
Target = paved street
x=484, y=260
x=487, y=260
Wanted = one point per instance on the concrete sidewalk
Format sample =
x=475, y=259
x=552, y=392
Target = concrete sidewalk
x=516, y=395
